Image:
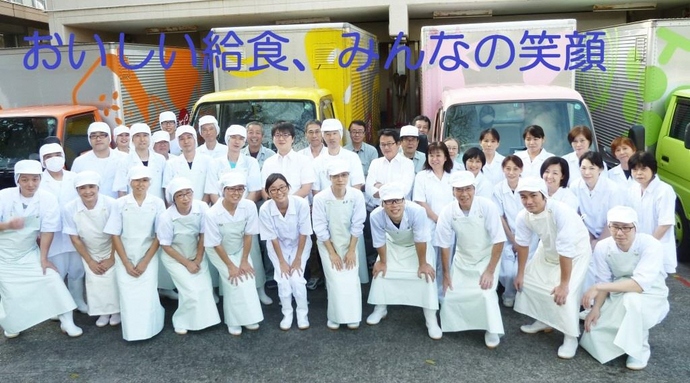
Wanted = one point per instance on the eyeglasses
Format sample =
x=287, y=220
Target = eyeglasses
x=236, y=190
x=624, y=229
x=465, y=189
x=94, y=136
x=393, y=201
x=282, y=135
x=387, y=144
x=186, y=195
x=281, y=189
x=356, y=132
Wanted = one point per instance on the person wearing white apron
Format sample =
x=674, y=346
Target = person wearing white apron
x=285, y=225
x=404, y=271
x=189, y=164
x=31, y=290
x=231, y=224
x=83, y=219
x=180, y=231
x=338, y=216
x=630, y=295
x=549, y=285
x=60, y=183
x=469, y=284
x=132, y=223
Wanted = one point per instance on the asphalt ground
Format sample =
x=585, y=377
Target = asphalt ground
x=396, y=350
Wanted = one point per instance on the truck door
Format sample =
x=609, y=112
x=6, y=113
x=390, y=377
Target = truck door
x=75, y=140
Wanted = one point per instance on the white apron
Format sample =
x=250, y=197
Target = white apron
x=196, y=309
x=344, y=291
x=625, y=320
x=101, y=290
x=401, y=285
x=543, y=274
x=467, y=306
x=241, y=305
x=141, y=310
x=28, y=296
x=257, y=262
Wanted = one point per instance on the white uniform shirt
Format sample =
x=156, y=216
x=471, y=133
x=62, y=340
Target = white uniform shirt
x=179, y=167
x=437, y=193
x=494, y=171
x=650, y=266
x=65, y=192
x=366, y=154
x=593, y=205
x=165, y=229
x=321, y=169
x=296, y=168
x=484, y=187
x=43, y=205
x=481, y=207
x=248, y=166
x=574, y=168
x=532, y=168
x=320, y=219
x=114, y=224
x=508, y=203
x=175, y=147
x=617, y=175
x=400, y=169
x=414, y=217
x=261, y=156
x=566, y=196
x=105, y=167
x=219, y=151
x=568, y=235
x=288, y=228
x=156, y=165
x=217, y=215
x=307, y=152
x=70, y=210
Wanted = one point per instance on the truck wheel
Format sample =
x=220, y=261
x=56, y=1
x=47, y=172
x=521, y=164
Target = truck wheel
x=682, y=234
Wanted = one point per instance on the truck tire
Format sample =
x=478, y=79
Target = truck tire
x=682, y=234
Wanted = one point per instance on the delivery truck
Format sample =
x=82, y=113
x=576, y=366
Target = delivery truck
x=294, y=73
x=477, y=76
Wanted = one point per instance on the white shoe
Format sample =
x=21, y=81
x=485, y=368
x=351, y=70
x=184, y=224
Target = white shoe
x=115, y=319
x=303, y=323
x=568, y=348
x=67, y=325
x=102, y=320
x=235, y=330
x=491, y=340
x=432, y=327
x=380, y=312
x=10, y=335
x=353, y=326
x=635, y=364
x=535, y=327
x=332, y=325
x=252, y=327
x=508, y=301
x=170, y=294
x=263, y=297
x=286, y=323
x=583, y=314
x=180, y=331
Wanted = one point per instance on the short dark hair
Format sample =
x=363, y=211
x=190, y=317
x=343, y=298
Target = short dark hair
x=436, y=146
x=421, y=117
x=393, y=133
x=473, y=152
x=534, y=131
x=514, y=159
x=492, y=132
x=357, y=122
x=643, y=160
x=565, y=168
x=272, y=178
x=283, y=127
x=580, y=129
x=594, y=158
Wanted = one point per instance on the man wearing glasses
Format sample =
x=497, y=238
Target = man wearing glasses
x=404, y=270
x=393, y=166
x=101, y=159
x=296, y=168
x=364, y=151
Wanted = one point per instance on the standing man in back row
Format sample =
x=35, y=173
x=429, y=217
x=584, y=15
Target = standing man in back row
x=209, y=131
x=168, y=124
x=102, y=159
x=255, y=148
x=364, y=151
x=410, y=141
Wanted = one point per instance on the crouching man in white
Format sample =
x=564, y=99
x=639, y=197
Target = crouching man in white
x=404, y=270
x=30, y=286
x=549, y=285
x=469, y=285
x=630, y=295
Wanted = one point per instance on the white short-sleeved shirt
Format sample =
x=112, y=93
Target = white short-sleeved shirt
x=617, y=175
x=248, y=166
x=288, y=228
x=65, y=192
x=321, y=169
x=261, y=156
x=508, y=203
x=566, y=196
x=532, y=168
x=650, y=266
x=75, y=206
x=570, y=231
x=366, y=154
x=481, y=207
x=179, y=167
x=245, y=215
x=593, y=205
x=400, y=169
x=165, y=229
x=105, y=167
x=296, y=168
x=494, y=170
x=307, y=152
x=114, y=224
x=320, y=219
x=484, y=187
x=219, y=151
x=414, y=217
x=156, y=165
x=435, y=192
x=43, y=205
x=175, y=149
x=574, y=168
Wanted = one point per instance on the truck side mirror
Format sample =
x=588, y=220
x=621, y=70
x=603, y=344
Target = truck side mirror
x=687, y=136
x=636, y=134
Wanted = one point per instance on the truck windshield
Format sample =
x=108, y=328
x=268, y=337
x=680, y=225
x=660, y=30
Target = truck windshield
x=465, y=122
x=21, y=137
x=267, y=112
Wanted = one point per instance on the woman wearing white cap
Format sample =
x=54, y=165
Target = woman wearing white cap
x=471, y=301
x=30, y=286
x=180, y=231
x=60, y=183
x=168, y=124
x=102, y=159
x=132, y=225
x=338, y=214
x=209, y=131
x=83, y=219
x=141, y=155
x=285, y=225
x=630, y=295
x=122, y=142
x=549, y=286
x=404, y=270
x=230, y=226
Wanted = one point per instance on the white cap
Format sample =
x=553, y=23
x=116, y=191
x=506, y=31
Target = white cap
x=409, y=130
x=235, y=130
x=98, y=126
x=233, y=178
x=185, y=129
x=338, y=167
x=390, y=191
x=176, y=184
x=138, y=172
x=622, y=214
x=167, y=116
x=139, y=127
x=332, y=125
x=462, y=178
x=48, y=149
x=120, y=129
x=27, y=167
x=532, y=184
x=209, y=120
x=87, y=177
x=160, y=136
